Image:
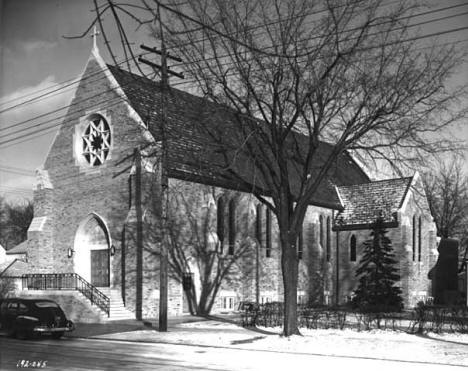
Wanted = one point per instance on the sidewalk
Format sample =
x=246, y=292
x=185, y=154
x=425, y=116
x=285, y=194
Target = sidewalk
x=93, y=330
x=185, y=329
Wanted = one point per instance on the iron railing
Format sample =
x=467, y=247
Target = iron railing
x=67, y=281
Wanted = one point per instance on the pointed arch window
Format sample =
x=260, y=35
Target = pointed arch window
x=414, y=237
x=419, y=238
x=258, y=225
x=232, y=227
x=300, y=244
x=352, y=248
x=220, y=223
x=268, y=233
x=328, y=239
x=321, y=231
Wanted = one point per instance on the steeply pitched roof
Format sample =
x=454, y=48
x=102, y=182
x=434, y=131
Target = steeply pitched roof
x=21, y=248
x=15, y=268
x=194, y=130
x=363, y=203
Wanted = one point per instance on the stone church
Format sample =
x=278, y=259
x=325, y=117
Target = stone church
x=90, y=193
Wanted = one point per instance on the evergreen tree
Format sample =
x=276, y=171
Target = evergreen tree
x=377, y=274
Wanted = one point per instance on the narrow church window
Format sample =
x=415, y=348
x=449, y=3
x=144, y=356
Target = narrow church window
x=300, y=244
x=232, y=227
x=414, y=237
x=268, y=233
x=419, y=238
x=321, y=230
x=258, y=226
x=352, y=248
x=328, y=239
x=220, y=223
x=96, y=140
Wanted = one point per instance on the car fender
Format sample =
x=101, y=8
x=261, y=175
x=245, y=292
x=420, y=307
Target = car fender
x=26, y=321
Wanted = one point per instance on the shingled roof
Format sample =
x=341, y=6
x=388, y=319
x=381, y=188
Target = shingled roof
x=14, y=268
x=21, y=248
x=194, y=129
x=363, y=203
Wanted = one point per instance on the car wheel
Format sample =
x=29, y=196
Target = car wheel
x=57, y=335
x=22, y=334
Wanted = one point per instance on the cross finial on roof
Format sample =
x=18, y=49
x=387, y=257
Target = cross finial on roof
x=94, y=36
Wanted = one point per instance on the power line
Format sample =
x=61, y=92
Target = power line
x=370, y=47
x=53, y=111
x=16, y=168
x=15, y=172
x=75, y=80
x=263, y=50
x=15, y=142
x=56, y=125
x=217, y=57
x=125, y=60
x=44, y=131
x=59, y=90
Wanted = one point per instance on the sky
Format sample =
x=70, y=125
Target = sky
x=35, y=58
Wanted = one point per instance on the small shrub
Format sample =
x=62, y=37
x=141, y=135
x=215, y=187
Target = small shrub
x=7, y=286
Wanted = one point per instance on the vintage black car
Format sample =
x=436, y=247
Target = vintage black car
x=25, y=318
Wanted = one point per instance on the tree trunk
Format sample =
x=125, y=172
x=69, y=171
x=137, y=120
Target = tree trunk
x=289, y=266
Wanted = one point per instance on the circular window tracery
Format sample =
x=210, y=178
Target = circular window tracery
x=96, y=140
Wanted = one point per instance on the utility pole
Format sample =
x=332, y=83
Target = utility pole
x=139, y=236
x=163, y=269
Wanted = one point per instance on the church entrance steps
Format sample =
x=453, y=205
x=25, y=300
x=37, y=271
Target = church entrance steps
x=117, y=307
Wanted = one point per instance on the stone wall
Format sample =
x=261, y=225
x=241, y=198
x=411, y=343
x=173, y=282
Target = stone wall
x=75, y=306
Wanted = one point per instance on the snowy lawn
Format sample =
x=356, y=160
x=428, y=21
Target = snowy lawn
x=450, y=349
x=392, y=345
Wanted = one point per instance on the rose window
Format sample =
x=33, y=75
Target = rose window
x=96, y=141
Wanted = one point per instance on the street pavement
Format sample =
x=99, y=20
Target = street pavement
x=192, y=343
x=95, y=354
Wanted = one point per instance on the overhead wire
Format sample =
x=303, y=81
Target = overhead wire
x=186, y=82
x=76, y=80
x=72, y=82
x=2, y=144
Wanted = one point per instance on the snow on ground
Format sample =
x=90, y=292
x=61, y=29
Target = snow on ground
x=391, y=345
x=449, y=349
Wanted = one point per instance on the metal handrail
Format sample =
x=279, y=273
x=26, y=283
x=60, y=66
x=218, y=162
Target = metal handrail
x=67, y=281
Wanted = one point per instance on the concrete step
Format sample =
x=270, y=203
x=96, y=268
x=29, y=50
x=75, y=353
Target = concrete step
x=117, y=307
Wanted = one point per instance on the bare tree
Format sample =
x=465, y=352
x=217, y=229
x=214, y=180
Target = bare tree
x=195, y=248
x=14, y=223
x=447, y=192
x=307, y=81
x=7, y=286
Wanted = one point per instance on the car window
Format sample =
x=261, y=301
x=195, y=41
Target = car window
x=23, y=308
x=46, y=304
x=3, y=308
x=12, y=306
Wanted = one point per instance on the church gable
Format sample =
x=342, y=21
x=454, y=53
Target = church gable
x=363, y=203
x=99, y=128
x=87, y=167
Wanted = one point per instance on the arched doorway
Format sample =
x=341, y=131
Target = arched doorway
x=92, y=258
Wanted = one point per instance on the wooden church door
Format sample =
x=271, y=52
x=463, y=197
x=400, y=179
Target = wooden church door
x=100, y=268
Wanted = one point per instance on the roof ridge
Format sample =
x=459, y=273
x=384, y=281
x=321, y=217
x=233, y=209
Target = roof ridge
x=9, y=265
x=377, y=181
